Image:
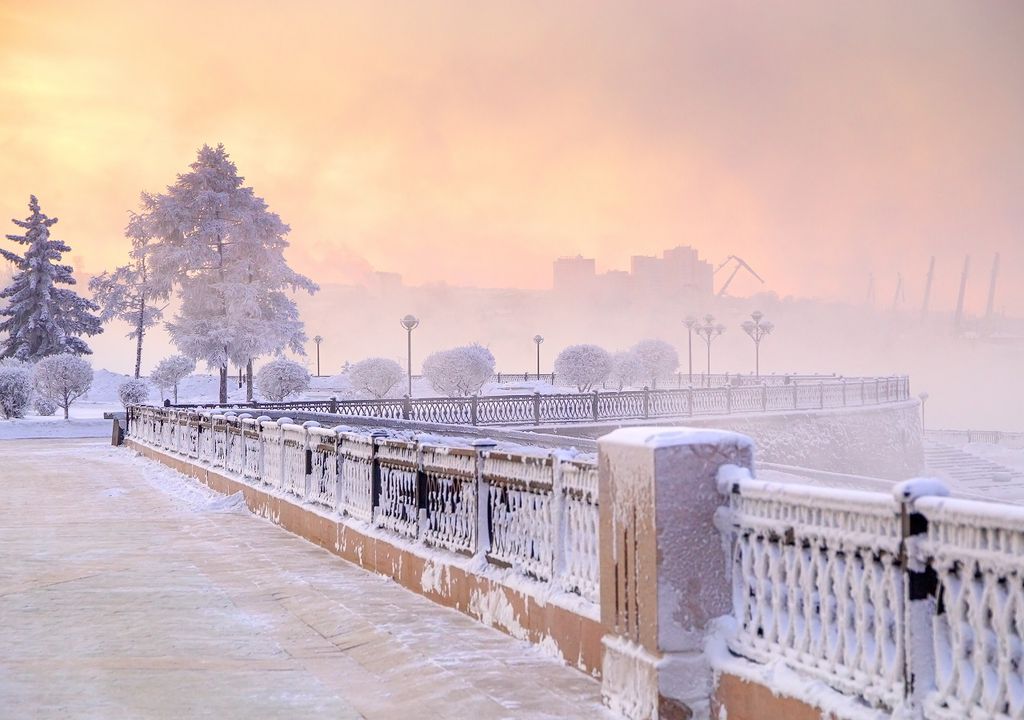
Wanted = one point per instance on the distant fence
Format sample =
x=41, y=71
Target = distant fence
x=535, y=514
x=1013, y=440
x=902, y=604
x=537, y=409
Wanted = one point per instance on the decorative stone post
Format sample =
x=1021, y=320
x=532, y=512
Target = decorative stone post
x=663, y=569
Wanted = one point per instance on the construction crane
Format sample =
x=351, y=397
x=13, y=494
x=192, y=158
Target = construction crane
x=741, y=264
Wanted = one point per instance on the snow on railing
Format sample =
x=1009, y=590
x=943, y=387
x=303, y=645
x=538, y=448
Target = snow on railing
x=539, y=515
x=912, y=603
x=797, y=393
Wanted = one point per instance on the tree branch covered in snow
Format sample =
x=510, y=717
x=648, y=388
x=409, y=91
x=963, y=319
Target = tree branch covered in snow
x=626, y=370
x=583, y=366
x=15, y=389
x=280, y=379
x=133, y=392
x=460, y=371
x=63, y=379
x=170, y=371
x=376, y=376
x=657, y=360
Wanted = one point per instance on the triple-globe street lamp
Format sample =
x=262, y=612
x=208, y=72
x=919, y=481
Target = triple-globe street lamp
x=757, y=328
x=708, y=332
x=318, y=339
x=690, y=323
x=538, y=339
x=410, y=323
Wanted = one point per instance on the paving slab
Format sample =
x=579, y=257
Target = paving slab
x=130, y=591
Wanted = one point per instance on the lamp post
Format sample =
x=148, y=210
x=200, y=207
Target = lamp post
x=708, y=332
x=317, y=339
x=924, y=398
x=410, y=323
x=538, y=339
x=757, y=328
x=691, y=324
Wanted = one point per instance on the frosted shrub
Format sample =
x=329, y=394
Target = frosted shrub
x=657, y=359
x=44, y=406
x=15, y=390
x=170, y=371
x=62, y=379
x=133, y=392
x=461, y=371
x=280, y=379
x=376, y=376
x=625, y=370
x=583, y=366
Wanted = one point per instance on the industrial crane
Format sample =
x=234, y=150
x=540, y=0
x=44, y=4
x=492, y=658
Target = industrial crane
x=741, y=264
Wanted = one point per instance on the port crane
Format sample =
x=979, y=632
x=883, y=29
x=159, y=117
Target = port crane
x=741, y=264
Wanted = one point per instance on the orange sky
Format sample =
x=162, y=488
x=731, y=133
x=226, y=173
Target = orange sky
x=471, y=142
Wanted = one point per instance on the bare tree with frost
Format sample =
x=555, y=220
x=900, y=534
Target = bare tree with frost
x=133, y=392
x=43, y=318
x=460, y=371
x=62, y=379
x=376, y=376
x=128, y=292
x=583, y=366
x=218, y=244
x=170, y=371
x=626, y=370
x=657, y=359
x=280, y=379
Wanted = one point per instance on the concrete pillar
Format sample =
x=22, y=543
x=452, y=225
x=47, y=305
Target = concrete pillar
x=663, y=567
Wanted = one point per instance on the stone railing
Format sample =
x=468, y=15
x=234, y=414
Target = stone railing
x=1014, y=440
x=536, y=514
x=908, y=602
x=537, y=409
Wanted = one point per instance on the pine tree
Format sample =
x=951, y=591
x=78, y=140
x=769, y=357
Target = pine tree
x=127, y=293
x=42, y=318
x=217, y=242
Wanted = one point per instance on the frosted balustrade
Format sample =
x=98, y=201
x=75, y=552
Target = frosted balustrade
x=521, y=512
x=293, y=459
x=540, y=517
x=323, y=475
x=272, y=449
x=398, y=508
x=356, y=486
x=451, y=502
x=579, y=484
x=206, y=443
x=219, y=433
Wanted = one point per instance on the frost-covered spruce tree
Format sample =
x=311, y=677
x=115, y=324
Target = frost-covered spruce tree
x=62, y=379
x=170, y=371
x=217, y=243
x=583, y=366
x=43, y=318
x=375, y=376
x=460, y=371
x=127, y=292
x=280, y=379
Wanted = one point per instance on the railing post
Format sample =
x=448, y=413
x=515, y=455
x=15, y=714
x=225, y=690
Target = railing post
x=728, y=399
x=334, y=404
x=594, y=402
x=536, y=408
x=862, y=391
x=406, y=407
x=558, y=511
x=844, y=392
x=374, y=476
x=796, y=396
x=821, y=395
x=689, y=400
x=472, y=409
x=647, y=402
x=483, y=499
x=764, y=397
x=658, y=493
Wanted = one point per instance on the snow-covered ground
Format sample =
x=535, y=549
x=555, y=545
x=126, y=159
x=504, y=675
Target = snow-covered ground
x=1010, y=457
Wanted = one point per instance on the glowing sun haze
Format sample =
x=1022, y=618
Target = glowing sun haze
x=471, y=143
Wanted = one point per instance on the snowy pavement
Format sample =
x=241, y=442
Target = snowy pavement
x=128, y=591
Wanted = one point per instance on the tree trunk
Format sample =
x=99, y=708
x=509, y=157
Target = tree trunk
x=248, y=381
x=175, y=393
x=223, y=384
x=139, y=330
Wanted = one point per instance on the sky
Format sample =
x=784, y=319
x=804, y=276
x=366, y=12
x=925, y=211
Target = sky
x=471, y=143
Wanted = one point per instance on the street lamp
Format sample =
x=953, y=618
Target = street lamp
x=757, y=328
x=691, y=324
x=410, y=323
x=924, y=398
x=708, y=332
x=317, y=339
x=538, y=339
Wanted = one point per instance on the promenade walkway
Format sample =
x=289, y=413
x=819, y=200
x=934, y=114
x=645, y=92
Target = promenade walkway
x=127, y=591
